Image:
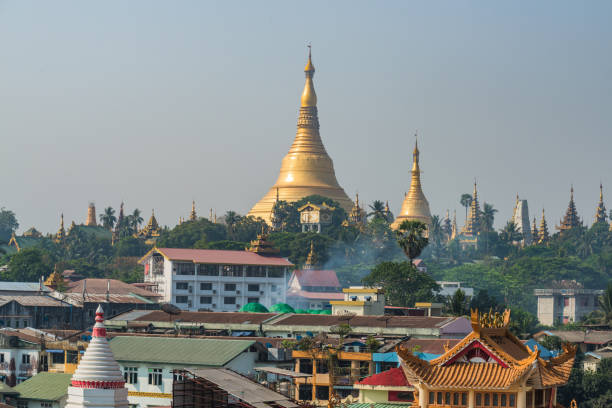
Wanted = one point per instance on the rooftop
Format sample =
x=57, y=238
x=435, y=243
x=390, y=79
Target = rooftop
x=218, y=256
x=23, y=287
x=117, y=287
x=312, y=277
x=44, y=386
x=394, y=377
x=32, y=300
x=178, y=351
x=206, y=317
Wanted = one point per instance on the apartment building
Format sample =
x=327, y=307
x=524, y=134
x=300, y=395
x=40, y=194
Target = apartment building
x=216, y=280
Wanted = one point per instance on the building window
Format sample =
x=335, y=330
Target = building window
x=230, y=287
x=511, y=400
x=1, y=357
x=305, y=392
x=208, y=269
x=22, y=404
x=45, y=404
x=273, y=288
x=131, y=375
x=72, y=356
x=305, y=366
x=57, y=358
x=155, y=376
x=230, y=300
x=182, y=285
x=322, y=392
x=253, y=287
x=25, y=323
x=206, y=286
x=206, y=300
x=253, y=300
x=432, y=397
x=184, y=268
x=276, y=272
x=178, y=377
x=232, y=270
x=566, y=301
x=25, y=359
x=182, y=299
x=255, y=271
x=439, y=399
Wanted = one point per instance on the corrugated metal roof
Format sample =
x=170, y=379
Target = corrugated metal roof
x=206, y=317
x=22, y=286
x=99, y=286
x=178, y=351
x=44, y=386
x=241, y=387
x=34, y=300
x=5, y=389
x=311, y=277
x=377, y=405
x=221, y=256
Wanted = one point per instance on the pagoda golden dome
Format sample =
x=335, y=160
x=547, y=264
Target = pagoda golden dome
x=307, y=169
x=415, y=206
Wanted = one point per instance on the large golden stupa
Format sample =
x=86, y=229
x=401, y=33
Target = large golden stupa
x=307, y=169
x=415, y=206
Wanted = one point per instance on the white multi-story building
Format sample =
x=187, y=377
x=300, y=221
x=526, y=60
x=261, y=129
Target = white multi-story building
x=217, y=280
x=565, y=305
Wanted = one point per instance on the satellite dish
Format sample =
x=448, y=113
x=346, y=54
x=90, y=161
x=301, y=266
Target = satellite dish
x=170, y=309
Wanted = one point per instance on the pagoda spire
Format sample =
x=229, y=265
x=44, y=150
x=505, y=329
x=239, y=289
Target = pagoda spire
x=311, y=259
x=91, y=215
x=571, y=219
x=447, y=226
x=415, y=206
x=600, y=214
x=543, y=236
x=454, y=226
x=307, y=169
x=61, y=232
x=193, y=216
x=472, y=224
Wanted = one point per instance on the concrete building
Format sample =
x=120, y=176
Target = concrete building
x=37, y=310
x=448, y=289
x=388, y=387
x=565, y=305
x=217, y=280
x=19, y=356
x=313, y=289
x=44, y=390
x=148, y=363
x=593, y=358
x=360, y=301
x=520, y=217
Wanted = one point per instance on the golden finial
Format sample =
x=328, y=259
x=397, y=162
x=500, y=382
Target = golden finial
x=193, y=216
x=309, y=96
x=311, y=259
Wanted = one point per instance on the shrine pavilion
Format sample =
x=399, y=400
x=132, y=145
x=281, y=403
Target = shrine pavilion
x=488, y=368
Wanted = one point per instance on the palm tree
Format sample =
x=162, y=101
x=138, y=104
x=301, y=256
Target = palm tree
x=466, y=201
x=136, y=219
x=605, y=304
x=510, y=233
x=378, y=210
x=231, y=219
x=435, y=231
x=488, y=217
x=107, y=218
x=411, y=237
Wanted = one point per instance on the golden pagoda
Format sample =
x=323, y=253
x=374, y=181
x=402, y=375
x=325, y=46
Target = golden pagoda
x=415, y=206
x=55, y=281
x=571, y=219
x=534, y=232
x=262, y=246
x=91, y=215
x=472, y=224
x=357, y=216
x=307, y=169
x=193, y=216
x=543, y=236
x=152, y=230
x=600, y=214
x=311, y=259
x=61, y=232
x=453, y=234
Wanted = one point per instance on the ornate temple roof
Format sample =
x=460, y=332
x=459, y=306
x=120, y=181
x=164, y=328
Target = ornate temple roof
x=570, y=219
x=307, y=169
x=415, y=206
x=543, y=233
x=472, y=224
x=488, y=358
x=98, y=367
x=600, y=213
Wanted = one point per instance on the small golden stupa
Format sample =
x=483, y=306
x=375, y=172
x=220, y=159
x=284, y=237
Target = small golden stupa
x=91, y=215
x=415, y=206
x=307, y=169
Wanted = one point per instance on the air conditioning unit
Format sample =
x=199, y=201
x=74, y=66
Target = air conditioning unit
x=238, y=292
x=214, y=305
x=214, y=292
x=261, y=292
x=190, y=289
x=237, y=306
x=189, y=304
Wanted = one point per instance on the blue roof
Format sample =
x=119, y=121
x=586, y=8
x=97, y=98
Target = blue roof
x=544, y=352
x=392, y=357
x=23, y=286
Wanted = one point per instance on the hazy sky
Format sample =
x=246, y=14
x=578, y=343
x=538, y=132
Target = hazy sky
x=158, y=103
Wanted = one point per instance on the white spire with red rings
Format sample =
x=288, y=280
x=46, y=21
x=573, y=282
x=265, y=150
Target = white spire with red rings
x=98, y=367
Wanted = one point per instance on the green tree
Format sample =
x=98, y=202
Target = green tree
x=377, y=210
x=411, y=237
x=402, y=282
x=29, y=265
x=488, y=217
x=466, y=201
x=605, y=305
x=510, y=233
x=130, y=246
x=187, y=234
x=107, y=218
x=483, y=302
x=8, y=224
x=136, y=219
x=247, y=228
x=457, y=303
x=231, y=218
x=522, y=323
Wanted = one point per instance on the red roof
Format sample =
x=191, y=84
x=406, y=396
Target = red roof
x=393, y=377
x=221, y=256
x=311, y=277
x=117, y=287
x=316, y=295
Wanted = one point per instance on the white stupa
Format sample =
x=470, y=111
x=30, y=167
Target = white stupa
x=98, y=381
